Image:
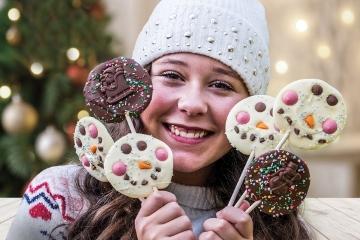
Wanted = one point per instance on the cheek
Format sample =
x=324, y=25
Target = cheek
x=160, y=103
x=222, y=108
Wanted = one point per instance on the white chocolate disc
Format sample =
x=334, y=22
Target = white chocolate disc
x=92, y=143
x=250, y=125
x=312, y=111
x=136, y=163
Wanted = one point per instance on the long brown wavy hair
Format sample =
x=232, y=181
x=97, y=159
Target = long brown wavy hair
x=111, y=215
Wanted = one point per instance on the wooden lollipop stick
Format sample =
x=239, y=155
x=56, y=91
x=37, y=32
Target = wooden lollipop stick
x=253, y=206
x=241, y=179
x=129, y=122
x=283, y=140
x=241, y=199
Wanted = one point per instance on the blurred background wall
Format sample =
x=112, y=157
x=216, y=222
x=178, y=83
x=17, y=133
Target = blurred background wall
x=308, y=39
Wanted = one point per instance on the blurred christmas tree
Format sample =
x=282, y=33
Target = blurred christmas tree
x=47, y=49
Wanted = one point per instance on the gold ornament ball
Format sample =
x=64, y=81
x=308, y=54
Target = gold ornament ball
x=19, y=117
x=50, y=145
x=13, y=36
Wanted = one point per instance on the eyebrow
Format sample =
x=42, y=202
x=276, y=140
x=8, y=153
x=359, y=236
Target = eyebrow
x=174, y=61
x=218, y=70
x=226, y=72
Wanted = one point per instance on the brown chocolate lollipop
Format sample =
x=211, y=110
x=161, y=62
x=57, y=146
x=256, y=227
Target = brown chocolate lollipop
x=117, y=86
x=280, y=180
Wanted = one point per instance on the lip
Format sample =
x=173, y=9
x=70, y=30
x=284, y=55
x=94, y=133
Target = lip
x=184, y=140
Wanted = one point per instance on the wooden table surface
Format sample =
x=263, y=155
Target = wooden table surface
x=330, y=218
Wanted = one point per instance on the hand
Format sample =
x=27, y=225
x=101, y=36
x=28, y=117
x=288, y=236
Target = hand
x=161, y=217
x=230, y=224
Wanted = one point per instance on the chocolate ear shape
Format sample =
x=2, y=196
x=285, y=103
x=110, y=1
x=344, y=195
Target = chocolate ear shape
x=117, y=86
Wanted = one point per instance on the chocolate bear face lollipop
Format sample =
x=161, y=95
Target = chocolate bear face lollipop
x=312, y=111
x=117, y=86
x=137, y=163
x=92, y=143
x=280, y=180
x=249, y=125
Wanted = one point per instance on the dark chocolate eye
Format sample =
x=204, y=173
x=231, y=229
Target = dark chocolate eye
x=82, y=130
x=126, y=148
x=260, y=107
x=141, y=145
x=331, y=100
x=236, y=129
x=317, y=90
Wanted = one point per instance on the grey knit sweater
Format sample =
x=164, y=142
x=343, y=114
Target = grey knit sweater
x=51, y=199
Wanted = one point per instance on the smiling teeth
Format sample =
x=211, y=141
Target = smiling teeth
x=187, y=133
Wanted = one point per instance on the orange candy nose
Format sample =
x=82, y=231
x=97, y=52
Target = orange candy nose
x=262, y=125
x=93, y=148
x=310, y=121
x=144, y=165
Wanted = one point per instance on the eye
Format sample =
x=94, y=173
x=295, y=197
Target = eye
x=171, y=75
x=222, y=85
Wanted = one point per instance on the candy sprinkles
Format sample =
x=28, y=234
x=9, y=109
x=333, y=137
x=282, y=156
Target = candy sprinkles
x=115, y=87
x=280, y=180
x=136, y=164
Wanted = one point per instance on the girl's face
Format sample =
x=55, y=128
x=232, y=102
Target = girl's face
x=192, y=97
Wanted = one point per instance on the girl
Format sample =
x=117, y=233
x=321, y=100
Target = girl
x=203, y=56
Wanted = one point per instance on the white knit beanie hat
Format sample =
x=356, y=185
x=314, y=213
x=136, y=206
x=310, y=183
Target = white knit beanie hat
x=233, y=32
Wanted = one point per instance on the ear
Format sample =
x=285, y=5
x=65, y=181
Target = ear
x=92, y=142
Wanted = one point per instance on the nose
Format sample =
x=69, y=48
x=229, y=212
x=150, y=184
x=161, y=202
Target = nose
x=193, y=102
x=144, y=164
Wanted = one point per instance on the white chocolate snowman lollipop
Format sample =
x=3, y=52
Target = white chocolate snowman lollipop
x=250, y=125
x=250, y=129
x=311, y=112
x=138, y=163
x=92, y=143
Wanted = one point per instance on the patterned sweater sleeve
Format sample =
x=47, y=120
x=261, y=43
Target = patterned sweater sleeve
x=49, y=204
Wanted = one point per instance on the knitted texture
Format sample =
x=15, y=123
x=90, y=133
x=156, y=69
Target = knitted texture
x=50, y=200
x=233, y=32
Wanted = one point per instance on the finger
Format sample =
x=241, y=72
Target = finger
x=209, y=236
x=154, y=202
x=241, y=220
x=222, y=228
x=166, y=213
x=175, y=226
x=188, y=235
x=244, y=205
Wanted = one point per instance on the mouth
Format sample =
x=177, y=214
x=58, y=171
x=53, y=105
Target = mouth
x=189, y=135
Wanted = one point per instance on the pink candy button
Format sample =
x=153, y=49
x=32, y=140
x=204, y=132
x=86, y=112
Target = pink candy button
x=290, y=97
x=85, y=161
x=93, y=131
x=119, y=168
x=161, y=154
x=329, y=126
x=243, y=117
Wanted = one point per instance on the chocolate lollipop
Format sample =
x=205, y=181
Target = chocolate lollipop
x=138, y=163
x=250, y=129
x=92, y=143
x=311, y=112
x=279, y=181
x=117, y=86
